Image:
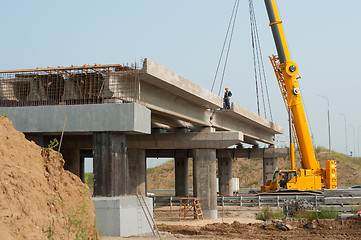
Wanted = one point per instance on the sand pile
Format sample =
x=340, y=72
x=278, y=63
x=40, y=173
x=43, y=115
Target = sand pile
x=26, y=173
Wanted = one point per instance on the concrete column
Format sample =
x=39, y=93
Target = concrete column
x=37, y=138
x=137, y=171
x=111, y=170
x=181, y=177
x=225, y=177
x=204, y=181
x=270, y=165
x=72, y=160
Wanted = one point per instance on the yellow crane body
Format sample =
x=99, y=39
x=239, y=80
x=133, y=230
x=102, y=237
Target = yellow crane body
x=310, y=176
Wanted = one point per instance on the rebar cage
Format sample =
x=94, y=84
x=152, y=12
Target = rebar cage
x=69, y=85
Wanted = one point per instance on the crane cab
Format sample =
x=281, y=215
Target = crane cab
x=294, y=180
x=282, y=180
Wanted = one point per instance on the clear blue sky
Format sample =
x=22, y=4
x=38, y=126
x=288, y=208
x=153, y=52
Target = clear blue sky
x=186, y=36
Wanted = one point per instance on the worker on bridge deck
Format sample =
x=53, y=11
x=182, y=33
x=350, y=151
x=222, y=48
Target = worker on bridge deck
x=226, y=99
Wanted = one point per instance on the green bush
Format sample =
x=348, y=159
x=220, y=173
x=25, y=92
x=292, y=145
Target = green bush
x=267, y=213
x=89, y=180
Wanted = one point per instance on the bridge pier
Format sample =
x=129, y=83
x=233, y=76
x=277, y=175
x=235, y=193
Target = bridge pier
x=181, y=176
x=137, y=171
x=270, y=165
x=37, y=138
x=111, y=168
x=225, y=176
x=73, y=161
x=204, y=181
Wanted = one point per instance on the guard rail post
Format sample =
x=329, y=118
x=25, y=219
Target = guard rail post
x=222, y=206
x=171, y=203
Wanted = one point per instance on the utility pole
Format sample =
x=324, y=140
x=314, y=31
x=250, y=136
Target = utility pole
x=358, y=141
x=344, y=117
x=329, y=125
x=353, y=137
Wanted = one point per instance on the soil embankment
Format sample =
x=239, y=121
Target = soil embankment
x=29, y=209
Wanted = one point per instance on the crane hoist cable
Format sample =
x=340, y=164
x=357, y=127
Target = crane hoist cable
x=228, y=38
x=224, y=44
x=259, y=72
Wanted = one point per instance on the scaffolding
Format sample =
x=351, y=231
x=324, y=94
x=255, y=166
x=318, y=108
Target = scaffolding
x=73, y=85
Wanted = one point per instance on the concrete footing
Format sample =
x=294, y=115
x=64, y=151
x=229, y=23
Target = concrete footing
x=122, y=216
x=204, y=181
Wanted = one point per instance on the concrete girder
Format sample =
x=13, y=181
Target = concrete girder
x=162, y=77
x=169, y=94
x=253, y=126
x=166, y=103
x=191, y=140
x=171, y=122
x=253, y=152
x=223, y=153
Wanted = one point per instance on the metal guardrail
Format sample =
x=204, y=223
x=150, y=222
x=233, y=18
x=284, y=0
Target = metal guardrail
x=172, y=191
x=244, y=201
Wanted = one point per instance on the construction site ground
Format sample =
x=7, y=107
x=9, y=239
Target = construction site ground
x=233, y=223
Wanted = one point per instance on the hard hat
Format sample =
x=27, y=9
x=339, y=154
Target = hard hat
x=226, y=88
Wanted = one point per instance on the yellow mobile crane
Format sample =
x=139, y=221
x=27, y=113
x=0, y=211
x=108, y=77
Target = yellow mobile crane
x=310, y=177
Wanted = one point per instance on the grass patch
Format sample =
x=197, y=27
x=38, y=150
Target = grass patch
x=89, y=180
x=253, y=182
x=267, y=213
x=355, y=208
x=320, y=213
x=76, y=223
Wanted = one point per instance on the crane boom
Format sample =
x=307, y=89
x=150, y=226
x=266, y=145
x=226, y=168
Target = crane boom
x=310, y=176
x=293, y=99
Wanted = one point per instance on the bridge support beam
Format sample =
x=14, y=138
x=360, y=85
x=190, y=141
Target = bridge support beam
x=137, y=170
x=204, y=181
x=225, y=177
x=111, y=170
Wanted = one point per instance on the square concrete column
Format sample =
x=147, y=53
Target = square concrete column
x=37, y=138
x=137, y=170
x=72, y=160
x=225, y=177
x=111, y=169
x=270, y=165
x=204, y=181
x=181, y=177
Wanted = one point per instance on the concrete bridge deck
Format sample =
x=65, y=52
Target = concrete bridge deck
x=172, y=100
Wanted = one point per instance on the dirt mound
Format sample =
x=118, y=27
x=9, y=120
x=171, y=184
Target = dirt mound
x=322, y=229
x=26, y=196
